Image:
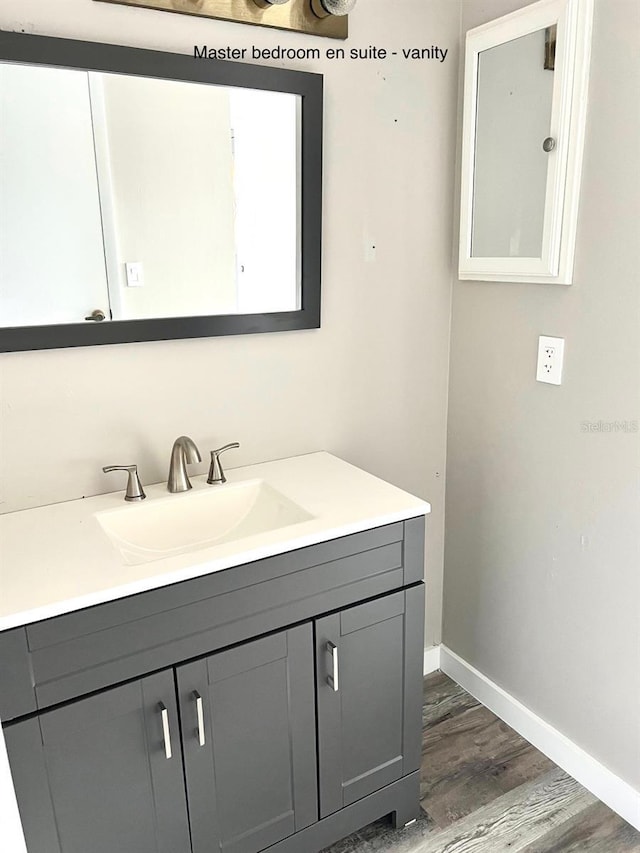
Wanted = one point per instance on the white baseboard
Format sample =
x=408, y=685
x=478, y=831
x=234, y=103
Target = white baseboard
x=593, y=775
x=431, y=659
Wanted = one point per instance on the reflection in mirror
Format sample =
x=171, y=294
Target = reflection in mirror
x=145, y=198
x=515, y=93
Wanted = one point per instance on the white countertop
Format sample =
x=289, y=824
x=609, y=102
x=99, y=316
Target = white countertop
x=57, y=558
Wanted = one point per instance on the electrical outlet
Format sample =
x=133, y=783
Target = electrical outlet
x=550, y=360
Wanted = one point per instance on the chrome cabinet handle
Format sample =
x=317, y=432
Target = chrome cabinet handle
x=200, y=715
x=216, y=474
x=549, y=144
x=332, y=680
x=166, y=734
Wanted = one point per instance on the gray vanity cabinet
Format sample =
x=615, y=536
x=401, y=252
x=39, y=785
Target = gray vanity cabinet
x=248, y=728
x=274, y=706
x=94, y=776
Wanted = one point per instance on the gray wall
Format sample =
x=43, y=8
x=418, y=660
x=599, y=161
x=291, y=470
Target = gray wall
x=371, y=385
x=542, y=560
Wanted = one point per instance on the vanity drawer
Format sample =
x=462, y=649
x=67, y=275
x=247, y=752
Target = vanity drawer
x=90, y=649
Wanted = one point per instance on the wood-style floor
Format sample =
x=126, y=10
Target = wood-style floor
x=487, y=790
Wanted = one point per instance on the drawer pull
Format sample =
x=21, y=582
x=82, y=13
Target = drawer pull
x=166, y=734
x=200, y=714
x=332, y=679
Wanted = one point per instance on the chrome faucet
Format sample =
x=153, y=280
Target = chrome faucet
x=183, y=452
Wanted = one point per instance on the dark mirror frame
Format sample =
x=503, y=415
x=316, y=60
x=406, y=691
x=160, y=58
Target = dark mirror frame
x=69, y=53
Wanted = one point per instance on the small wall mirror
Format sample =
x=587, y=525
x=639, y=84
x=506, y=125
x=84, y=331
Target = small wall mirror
x=524, y=116
x=164, y=197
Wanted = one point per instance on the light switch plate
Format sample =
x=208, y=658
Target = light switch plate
x=550, y=360
x=135, y=274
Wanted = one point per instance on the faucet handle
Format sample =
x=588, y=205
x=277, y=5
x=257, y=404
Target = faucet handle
x=134, y=492
x=216, y=474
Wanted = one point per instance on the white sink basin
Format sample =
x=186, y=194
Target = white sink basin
x=177, y=524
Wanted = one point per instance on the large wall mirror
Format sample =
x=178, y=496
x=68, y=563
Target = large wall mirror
x=524, y=117
x=146, y=196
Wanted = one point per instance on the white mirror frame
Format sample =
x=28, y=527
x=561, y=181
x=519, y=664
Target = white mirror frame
x=574, y=19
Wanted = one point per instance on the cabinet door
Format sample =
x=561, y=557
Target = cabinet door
x=248, y=728
x=95, y=777
x=369, y=665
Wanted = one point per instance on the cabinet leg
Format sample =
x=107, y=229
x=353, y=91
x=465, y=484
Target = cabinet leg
x=406, y=813
x=407, y=806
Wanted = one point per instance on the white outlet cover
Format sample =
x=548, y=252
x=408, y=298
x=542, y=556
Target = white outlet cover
x=550, y=360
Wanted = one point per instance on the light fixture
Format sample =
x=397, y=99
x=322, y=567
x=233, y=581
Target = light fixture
x=324, y=18
x=324, y=8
